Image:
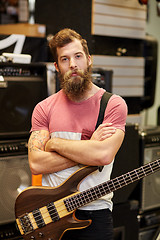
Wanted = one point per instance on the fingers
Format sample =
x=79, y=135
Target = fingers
x=106, y=134
x=106, y=128
x=104, y=131
x=105, y=125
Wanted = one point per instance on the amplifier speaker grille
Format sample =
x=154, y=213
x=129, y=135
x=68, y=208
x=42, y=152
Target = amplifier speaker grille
x=151, y=184
x=15, y=176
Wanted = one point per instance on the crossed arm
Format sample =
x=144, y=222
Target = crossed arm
x=51, y=155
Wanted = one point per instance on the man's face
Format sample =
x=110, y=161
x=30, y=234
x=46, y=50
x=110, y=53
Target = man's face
x=74, y=69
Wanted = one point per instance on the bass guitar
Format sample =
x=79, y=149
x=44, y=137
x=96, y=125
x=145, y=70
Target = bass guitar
x=45, y=213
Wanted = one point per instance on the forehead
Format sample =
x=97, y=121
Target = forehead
x=71, y=48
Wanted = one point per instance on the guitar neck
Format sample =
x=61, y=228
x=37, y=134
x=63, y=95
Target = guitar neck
x=100, y=190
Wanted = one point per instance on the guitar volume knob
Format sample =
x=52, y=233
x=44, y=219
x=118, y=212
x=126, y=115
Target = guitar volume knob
x=40, y=234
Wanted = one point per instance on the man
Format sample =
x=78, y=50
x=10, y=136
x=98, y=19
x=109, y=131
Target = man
x=64, y=138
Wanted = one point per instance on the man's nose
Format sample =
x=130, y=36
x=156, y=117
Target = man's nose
x=72, y=63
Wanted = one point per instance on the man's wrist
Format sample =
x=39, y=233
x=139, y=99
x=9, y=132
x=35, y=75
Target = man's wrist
x=49, y=146
x=53, y=145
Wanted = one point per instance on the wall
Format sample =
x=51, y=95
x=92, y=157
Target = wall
x=152, y=28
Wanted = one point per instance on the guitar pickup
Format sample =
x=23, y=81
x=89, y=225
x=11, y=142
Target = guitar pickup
x=26, y=224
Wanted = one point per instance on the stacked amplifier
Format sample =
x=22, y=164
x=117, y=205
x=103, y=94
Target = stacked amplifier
x=22, y=86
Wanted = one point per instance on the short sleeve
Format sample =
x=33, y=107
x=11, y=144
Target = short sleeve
x=116, y=112
x=39, y=118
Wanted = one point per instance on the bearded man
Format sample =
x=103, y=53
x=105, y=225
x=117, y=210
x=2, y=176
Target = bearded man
x=63, y=136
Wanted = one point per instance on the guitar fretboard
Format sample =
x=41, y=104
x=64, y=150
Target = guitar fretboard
x=100, y=190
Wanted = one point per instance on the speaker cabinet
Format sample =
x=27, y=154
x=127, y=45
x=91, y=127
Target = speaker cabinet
x=126, y=160
x=125, y=223
x=150, y=185
x=149, y=225
x=22, y=86
x=149, y=234
x=119, y=233
x=150, y=197
x=15, y=176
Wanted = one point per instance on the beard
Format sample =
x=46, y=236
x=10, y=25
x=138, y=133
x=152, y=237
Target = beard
x=75, y=87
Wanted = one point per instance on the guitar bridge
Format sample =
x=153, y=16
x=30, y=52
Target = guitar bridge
x=26, y=224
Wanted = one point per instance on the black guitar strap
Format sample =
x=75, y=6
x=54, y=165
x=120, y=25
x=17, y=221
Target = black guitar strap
x=104, y=100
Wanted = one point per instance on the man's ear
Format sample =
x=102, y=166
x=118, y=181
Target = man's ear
x=56, y=66
x=89, y=60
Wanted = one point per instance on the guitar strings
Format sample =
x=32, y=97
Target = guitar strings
x=133, y=173
x=52, y=213
x=108, y=186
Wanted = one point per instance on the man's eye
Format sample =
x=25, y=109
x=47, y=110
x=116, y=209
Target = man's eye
x=64, y=59
x=78, y=55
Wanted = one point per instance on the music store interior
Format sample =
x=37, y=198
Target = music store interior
x=123, y=38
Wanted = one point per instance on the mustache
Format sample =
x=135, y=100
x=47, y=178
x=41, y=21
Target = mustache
x=70, y=72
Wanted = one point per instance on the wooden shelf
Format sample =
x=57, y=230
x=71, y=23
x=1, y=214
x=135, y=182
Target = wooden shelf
x=30, y=30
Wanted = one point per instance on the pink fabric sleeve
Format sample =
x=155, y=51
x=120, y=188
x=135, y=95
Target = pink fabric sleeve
x=116, y=112
x=39, y=118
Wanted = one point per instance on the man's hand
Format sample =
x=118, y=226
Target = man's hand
x=103, y=131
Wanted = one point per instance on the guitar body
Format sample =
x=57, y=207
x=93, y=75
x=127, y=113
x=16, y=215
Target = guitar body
x=46, y=212
x=37, y=197
x=55, y=230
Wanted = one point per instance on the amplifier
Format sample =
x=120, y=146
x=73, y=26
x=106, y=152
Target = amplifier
x=149, y=223
x=15, y=176
x=150, y=185
x=22, y=86
x=10, y=232
x=13, y=147
x=102, y=78
x=126, y=160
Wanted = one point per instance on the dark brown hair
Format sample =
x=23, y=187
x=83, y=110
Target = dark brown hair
x=64, y=37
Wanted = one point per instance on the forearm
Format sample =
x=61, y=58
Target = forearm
x=84, y=151
x=88, y=152
x=42, y=162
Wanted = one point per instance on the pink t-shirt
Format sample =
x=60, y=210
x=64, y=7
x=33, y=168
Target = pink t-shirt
x=57, y=113
x=69, y=120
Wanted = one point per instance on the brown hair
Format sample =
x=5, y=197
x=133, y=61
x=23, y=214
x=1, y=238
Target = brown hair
x=64, y=37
